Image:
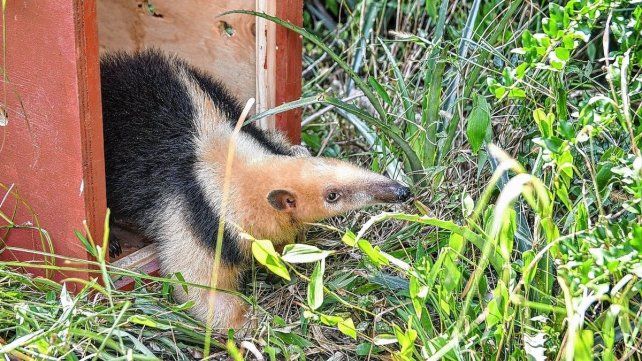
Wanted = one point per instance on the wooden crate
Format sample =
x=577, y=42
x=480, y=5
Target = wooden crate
x=51, y=147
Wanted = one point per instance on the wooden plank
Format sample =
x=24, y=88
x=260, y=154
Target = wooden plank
x=144, y=260
x=265, y=62
x=51, y=147
x=279, y=65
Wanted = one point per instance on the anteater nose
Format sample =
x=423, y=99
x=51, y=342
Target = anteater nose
x=403, y=194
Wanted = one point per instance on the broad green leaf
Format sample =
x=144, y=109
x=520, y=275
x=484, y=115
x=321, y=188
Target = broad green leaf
x=315, y=287
x=346, y=326
x=517, y=93
x=499, y=92
x=373, y=253
x=303, y=253
x=478, y=123
x=329, y=319
x=562, y=54
x=264, y=253
x=365, y=349
x=608, y=333
x=406, y=339
x=494, y=314
x=456, y=242
x=418, y=293
x=349, y=238
x=544, y=122
x=451, y=278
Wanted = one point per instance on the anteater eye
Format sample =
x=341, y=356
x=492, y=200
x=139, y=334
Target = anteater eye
x=332, y=197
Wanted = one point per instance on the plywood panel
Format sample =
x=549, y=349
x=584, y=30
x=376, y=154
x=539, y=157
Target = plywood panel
x=265, y=62
x=51, y=148
x=224, y=46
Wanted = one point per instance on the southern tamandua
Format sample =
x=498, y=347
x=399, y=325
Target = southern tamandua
x=167, y=127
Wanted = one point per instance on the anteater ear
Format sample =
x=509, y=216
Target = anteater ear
x=299, y=151
x=282, y=200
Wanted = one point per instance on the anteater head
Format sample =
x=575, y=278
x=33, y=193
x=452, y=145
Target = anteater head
x=310, y=189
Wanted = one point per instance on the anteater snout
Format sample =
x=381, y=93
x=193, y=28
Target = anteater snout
x=392, y=192
x=402, y=193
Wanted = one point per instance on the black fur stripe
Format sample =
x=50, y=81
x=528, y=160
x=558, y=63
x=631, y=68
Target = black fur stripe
x=230, y=105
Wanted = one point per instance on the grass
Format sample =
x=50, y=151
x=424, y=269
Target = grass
x=517, y=124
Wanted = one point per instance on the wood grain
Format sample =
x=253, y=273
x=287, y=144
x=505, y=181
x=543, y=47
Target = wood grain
x=192, y=29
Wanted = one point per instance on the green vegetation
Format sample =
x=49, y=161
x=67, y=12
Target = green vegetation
x=517, y=124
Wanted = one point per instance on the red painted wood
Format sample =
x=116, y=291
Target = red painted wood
x=51, y=150
x=289, y=67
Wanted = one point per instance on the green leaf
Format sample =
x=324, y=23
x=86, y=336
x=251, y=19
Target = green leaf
x=431, y=8
x=346, y=326
x=315, y=287
x=562, y=54
x=494, y=314
x=527, y=258
x=303, y=253
x=373, y=253
x=179, y=276
x=329, y=319
x=478, y=123
x=384, y=339
x=608, y=333
x=583, y=345
x=408, y=106
x=517, y=93
x=88, y=246
x=365, y=349
x=544, y=122
x=147, y=321
x=452, y=277
x=430, y=111
x=295, y=104
x=507, y=234
x=636, y=240
x=264, y=253
x=465, y=232
x=406, y=339
x=380, y=90
x=349, y=238
x=418, y=293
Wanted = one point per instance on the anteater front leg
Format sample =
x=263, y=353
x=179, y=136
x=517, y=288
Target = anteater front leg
x=226, y=310
x=195, y=265
x=180, y=251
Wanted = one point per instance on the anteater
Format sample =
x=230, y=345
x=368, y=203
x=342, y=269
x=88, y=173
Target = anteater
x=167, y=126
